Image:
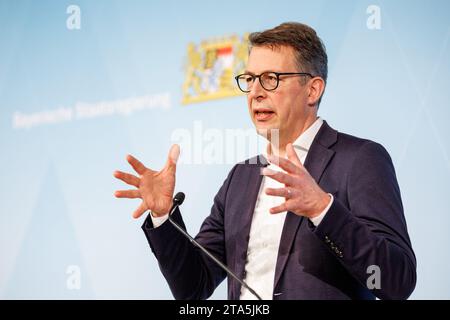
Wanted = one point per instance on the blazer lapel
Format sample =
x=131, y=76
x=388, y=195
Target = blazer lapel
x=250, y=190
x=319, y=155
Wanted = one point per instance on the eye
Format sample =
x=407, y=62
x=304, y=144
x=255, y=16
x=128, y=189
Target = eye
x=246, y=78
x=271, y=77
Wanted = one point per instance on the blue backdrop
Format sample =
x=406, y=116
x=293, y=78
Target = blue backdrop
x=83, y=83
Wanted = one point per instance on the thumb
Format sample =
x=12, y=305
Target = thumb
x=174, y=154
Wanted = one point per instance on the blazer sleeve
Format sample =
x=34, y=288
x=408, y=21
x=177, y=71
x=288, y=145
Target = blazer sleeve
x=191, y=274
x=370, y=231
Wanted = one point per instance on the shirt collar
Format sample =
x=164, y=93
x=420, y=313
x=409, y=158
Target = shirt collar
x=304, y=141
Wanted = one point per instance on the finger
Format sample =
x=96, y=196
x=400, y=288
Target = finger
x=281, y=208
x=278, y=176
x=292, y=155
x=285, y=164
x=136, y=164
x=130, y=179
x=130, y=194
x=279, y=192
x=140, y=210
x=172, y=159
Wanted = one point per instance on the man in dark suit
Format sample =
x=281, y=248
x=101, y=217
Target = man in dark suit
x=318, y=216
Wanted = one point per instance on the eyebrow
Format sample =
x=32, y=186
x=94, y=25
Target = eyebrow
x=252, y=73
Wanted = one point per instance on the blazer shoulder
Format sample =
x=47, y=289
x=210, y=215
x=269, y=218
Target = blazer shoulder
x=356, y=144
x=351, y=146
x=362, y=151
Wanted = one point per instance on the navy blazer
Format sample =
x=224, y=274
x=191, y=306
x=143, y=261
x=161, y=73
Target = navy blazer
x=365, y=226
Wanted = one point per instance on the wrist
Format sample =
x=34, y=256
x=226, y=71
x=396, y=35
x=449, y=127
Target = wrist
x=321, y=206
x=158, y=215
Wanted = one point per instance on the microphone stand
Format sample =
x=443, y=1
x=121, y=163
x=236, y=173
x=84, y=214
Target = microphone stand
x=176, y=204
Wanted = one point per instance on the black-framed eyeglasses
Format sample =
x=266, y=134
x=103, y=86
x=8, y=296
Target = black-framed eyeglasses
x=269, y=80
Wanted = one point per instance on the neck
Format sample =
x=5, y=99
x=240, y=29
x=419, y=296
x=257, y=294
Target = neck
x=273, y=149
x=277, y=146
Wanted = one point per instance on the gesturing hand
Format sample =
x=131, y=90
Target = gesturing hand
x=303, y=195
x=155, y=188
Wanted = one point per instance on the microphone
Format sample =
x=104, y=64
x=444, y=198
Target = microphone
x=177, y=201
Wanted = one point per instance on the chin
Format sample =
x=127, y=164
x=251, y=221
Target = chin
x=267, y=130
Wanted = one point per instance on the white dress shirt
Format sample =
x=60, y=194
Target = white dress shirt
x=266, y=228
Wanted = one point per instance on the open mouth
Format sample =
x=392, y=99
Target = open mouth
x=263, y=115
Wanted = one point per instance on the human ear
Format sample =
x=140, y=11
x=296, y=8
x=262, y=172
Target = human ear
x=316, y=89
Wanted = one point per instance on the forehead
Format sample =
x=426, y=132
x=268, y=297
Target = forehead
x=265, y=58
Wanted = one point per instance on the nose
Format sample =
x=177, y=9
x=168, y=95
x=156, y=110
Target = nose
x=257, y=92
